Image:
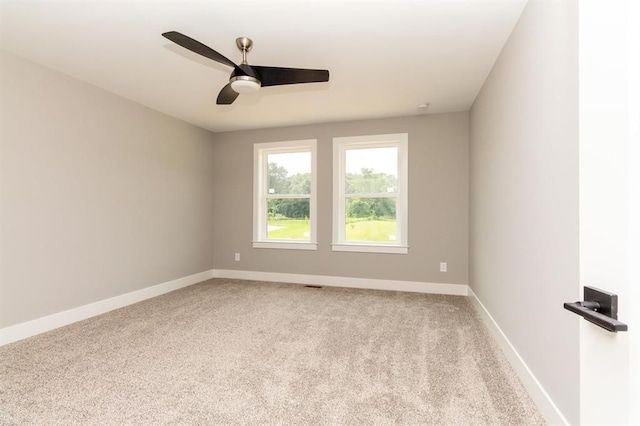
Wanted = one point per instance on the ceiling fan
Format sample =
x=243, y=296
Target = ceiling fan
x=247, y=78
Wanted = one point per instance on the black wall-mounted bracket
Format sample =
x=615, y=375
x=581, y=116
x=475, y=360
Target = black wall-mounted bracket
x=599, y=307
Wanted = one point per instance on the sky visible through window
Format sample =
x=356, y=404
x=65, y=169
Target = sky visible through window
x=294, y=162
x=371, y=158
x=378, y=159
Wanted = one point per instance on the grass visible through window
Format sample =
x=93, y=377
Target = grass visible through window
x=288, y=229
x=370, y=230
x=362, y=229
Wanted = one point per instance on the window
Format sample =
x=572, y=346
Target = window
x=370, y=203
x=284, y=188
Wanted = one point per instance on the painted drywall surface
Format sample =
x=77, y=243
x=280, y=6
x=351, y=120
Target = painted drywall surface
x=100, y=196
x=438, y=202
x=524, y=196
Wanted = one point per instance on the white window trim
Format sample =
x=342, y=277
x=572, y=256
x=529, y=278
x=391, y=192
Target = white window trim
x=340, y=145
x=260, y=169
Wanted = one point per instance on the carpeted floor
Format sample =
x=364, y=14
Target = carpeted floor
x=242, y=352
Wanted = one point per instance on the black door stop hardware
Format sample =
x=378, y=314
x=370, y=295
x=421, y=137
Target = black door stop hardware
x=600, y=307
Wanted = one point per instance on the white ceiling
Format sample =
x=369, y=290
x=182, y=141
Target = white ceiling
x=384, y=56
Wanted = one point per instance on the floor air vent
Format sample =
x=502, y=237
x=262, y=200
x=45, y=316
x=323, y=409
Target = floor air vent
x=313, y=286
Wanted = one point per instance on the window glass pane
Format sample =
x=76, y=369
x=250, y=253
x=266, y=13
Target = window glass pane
x=289, y=173
x=288, y=219
x=370, y=219
x=371, y=170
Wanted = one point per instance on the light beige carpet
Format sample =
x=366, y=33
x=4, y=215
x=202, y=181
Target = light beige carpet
x=242, y=352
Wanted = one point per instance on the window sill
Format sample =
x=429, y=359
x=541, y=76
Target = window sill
x=370, y=248
x=286, y=245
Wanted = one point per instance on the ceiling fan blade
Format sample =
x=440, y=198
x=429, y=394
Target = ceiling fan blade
x=199, y=48
x=227, y=95
x=276, y=76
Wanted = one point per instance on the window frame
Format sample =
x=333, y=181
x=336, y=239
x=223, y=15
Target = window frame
x=340, y=146
x=261, y=152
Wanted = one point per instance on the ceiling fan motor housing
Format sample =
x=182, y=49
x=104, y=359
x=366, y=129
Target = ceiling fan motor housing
x=246, y=81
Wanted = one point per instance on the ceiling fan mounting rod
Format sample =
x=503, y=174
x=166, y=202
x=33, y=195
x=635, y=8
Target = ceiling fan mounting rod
x=245, y=44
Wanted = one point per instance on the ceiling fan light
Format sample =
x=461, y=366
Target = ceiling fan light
x=245, y=84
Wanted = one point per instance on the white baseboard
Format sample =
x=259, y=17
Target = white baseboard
x=50, y=322
x=543, y=401
x=329, y=281
x=60, y=319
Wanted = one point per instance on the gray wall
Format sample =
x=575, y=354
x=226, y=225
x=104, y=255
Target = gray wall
x=438, y=202
x=100, y=196
x=524, y=196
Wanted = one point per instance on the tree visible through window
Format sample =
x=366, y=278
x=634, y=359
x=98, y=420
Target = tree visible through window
x=289, y=191
x=284, y=194
x=370, y=193
x=370, y=198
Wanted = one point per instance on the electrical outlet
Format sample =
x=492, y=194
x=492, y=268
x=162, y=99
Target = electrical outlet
x=237, y=257
x=443, y=266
